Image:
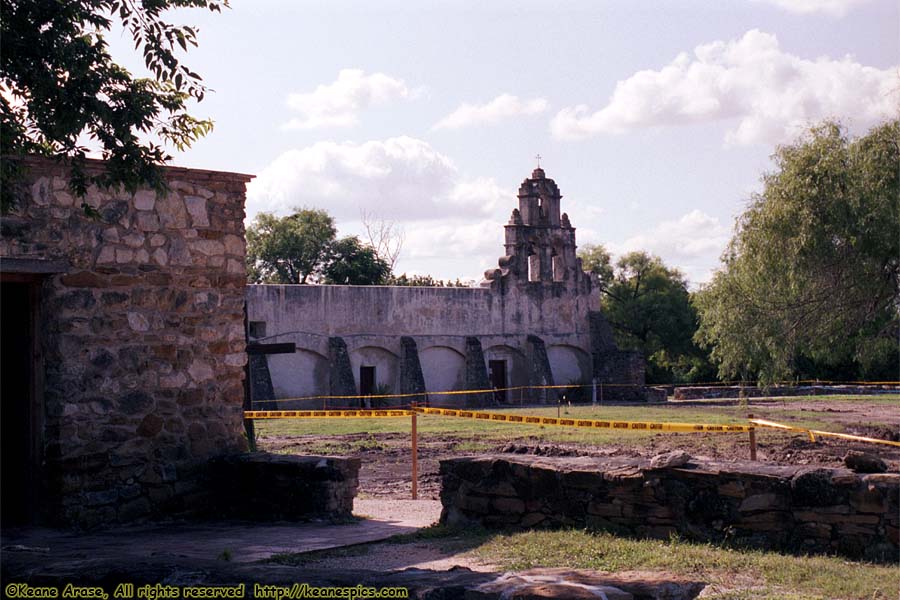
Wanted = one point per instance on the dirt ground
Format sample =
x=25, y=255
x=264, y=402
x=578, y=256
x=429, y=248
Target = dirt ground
x=386, y=457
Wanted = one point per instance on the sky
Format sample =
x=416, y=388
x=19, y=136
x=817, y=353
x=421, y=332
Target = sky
x=656, y=119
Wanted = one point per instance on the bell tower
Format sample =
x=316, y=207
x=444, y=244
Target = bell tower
x=539, y=241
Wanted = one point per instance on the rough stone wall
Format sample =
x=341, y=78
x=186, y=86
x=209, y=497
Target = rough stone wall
x=622, y=374
x=142, y=336
x=793, y=508
x=260, y=486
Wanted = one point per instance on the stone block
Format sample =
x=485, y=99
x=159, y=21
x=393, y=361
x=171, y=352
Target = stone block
x=496, y=488
x=208, y=247
x=172, y=213
x=107, y=255
x=477, y=504
x=147, y=221
x=233, y=245
x=124, y=255
x=531, y=519
x=138, y=322
x=144, y=199
x=763, y=502
x=508, y=505
x=134, y=509
x=196, y=207
x=84, y=279
x=605, y=509
x=869, y=499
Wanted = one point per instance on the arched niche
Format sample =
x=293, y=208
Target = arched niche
x=569, y=364
x=379, y=363
x=516, y=371
x=444, y=369
x=297, y=375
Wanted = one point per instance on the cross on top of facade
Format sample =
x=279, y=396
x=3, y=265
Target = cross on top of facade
x=538, y=157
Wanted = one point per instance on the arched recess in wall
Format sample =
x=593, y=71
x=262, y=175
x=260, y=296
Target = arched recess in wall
x=386, y=372
x=516, y=367
x=444, y=369
x=569, y=364
x=303, y=373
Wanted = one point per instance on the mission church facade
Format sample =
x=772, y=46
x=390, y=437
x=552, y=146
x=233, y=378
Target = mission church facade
x=533, y=321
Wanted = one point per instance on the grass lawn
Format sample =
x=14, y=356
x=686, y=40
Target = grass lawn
x=735, y=574
x=481, y=431
x=768, y=574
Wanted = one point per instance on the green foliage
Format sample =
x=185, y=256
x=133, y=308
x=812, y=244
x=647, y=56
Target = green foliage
x=60, y=84
x=289, y=249
x=809, y=282
x=301, y=248
x=349, y=262
x=424, y=281
x=597, y=260
x=649, y=308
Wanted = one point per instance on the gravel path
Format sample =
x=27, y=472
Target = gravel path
x=408, y=513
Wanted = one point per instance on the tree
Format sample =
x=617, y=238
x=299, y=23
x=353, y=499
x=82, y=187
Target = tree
x=60, y=84
x=649, y=308
x=425, y=281
x=350, y=262
x=597, y=260
x=289, y=249
x=385, y=237
x=809, y=281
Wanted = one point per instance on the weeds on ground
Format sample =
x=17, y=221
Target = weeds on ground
x=303, y=558
x=769, y=573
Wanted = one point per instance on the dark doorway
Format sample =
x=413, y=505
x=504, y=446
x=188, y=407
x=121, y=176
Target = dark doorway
x=366, y=381
x=19, y=412
x=497, y=370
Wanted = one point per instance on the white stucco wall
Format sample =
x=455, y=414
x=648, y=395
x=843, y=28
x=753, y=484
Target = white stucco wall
x=372, y=319
x=444, y=369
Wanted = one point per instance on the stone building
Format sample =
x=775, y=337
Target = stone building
x=534, y=321
x=123, y=344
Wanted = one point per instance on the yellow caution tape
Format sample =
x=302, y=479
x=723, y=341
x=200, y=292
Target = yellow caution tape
x=452, y=392
x=324, y=414
x=814, y=432
x=586, y=423
x=600, y=386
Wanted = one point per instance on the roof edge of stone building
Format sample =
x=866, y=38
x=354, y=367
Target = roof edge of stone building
x=366, y=286
x=94, y=165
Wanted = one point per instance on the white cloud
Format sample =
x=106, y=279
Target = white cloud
x=400, y=178
x=502, y=107
x=453, y=238
x=773, y=94
x=834, y=8
x=338, y=104
x=693, y=243
x=452, y=224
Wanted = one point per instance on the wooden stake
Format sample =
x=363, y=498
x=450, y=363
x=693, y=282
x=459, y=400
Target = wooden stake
x=752, y=440
x=415, y=456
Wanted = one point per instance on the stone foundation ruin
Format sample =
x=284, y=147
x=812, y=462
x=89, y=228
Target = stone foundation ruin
x=776, y=507
x=275, y=487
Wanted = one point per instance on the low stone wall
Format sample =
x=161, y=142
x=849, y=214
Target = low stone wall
x=271, y=487
x=788, y=508
x=735, y=391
